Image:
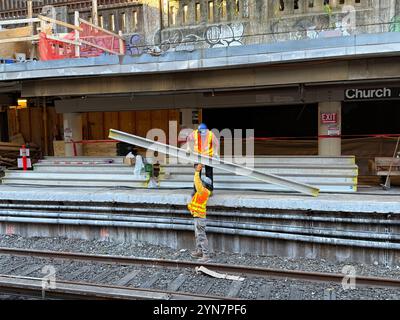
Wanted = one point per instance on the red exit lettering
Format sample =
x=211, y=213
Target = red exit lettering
x=329, y=117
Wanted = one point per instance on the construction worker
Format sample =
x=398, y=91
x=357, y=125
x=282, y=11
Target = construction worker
x=197, y=208
x=204, y=142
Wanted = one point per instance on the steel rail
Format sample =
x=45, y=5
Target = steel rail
x=213, y=162
x=224, y=268
x=85, y=290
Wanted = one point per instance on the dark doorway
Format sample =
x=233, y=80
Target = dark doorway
x=3, y=127
x=272, y=121
x=375, y=117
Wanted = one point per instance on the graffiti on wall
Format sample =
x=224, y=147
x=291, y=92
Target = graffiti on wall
x=215, y=36
x=309, y=28
x=134, y=44
x=395, y=24
x=226, y=35
x=316, y=26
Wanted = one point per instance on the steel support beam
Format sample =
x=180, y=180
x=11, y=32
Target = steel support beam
x=213, y=162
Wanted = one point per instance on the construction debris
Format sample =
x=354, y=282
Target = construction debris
x=218, y=275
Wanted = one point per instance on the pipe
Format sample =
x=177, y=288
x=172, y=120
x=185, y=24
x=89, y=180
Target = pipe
x=227, y=231
x=222, y=224
x=235, y=214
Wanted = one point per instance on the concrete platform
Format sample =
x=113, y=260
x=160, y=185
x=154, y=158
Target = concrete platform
x=367, y=200
x=361, y=227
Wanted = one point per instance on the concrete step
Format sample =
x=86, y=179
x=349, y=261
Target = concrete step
x=74, y=183
x=283, y=170
x=82, y=176
x=349, y=187
x=243, y=179
x=167, y=185
x=297, y=160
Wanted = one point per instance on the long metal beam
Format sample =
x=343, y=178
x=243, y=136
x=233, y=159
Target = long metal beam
x=213, y=162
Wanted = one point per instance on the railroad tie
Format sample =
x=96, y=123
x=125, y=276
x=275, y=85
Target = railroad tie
x=103, y=276
x=329, y=294
x=30, y=270
x=264, y=293
x=175, y=284
x=234, y=288
x=77, y=273
x=127, y=278
x=12, y=268
x=151, y=280
x=294, y=293
x=204, y=289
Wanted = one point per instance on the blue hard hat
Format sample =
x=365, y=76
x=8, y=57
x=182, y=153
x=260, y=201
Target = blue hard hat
x=202, y=126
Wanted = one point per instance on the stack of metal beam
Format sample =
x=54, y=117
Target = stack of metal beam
x=330, y=174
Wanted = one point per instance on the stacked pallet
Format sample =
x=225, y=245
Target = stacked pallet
x=9, y=153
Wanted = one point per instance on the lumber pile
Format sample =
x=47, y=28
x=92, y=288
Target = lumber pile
x=9, y=49
x=9, y=153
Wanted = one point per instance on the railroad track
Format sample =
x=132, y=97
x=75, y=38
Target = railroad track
x=160, y=278
x=222, y=268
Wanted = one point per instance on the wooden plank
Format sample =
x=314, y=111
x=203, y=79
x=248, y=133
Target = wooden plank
x=159, y=120
x=53, y=129
x=95, y=125
x=100, y=29
x=127, y=121
x=204, y=289
x=111, y=121
x=37, y=132
x=150, y=282
x=59, y=148
x=385, y=173
x=8, y=50
x=264, y=293
x=98, y=47
x=18, y=21
x=104, y=149
x=95, y=15
x=127, y=278
x=25, y=123
x=175, y=284
x=143, y=123
x=294, y=293
x=234, y=288
x=21, y=39
x=76, y=43
x=15, y=33
x=30, y=270
x=60, y=23
x=12, y=122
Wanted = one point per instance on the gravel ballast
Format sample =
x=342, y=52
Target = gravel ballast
x=251, y=288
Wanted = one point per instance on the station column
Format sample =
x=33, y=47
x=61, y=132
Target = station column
x=329, y=128
x=72, y=132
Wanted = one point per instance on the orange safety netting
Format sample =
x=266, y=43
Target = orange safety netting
x=50, y=49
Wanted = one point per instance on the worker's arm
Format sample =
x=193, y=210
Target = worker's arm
x=197, y=181
x=189, y=142
x=215, y=144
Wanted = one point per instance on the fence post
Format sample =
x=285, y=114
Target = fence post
x=77, y=47
x=121, y=43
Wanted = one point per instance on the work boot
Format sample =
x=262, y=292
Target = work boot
x=196, y=254
x=205, y=258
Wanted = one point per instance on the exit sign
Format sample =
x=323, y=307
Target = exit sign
x=329, y=117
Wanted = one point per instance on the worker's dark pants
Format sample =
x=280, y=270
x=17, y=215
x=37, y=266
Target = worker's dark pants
x=209, y=174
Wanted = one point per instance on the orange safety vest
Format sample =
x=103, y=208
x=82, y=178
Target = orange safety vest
x=198, y=205
x=198, y=145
